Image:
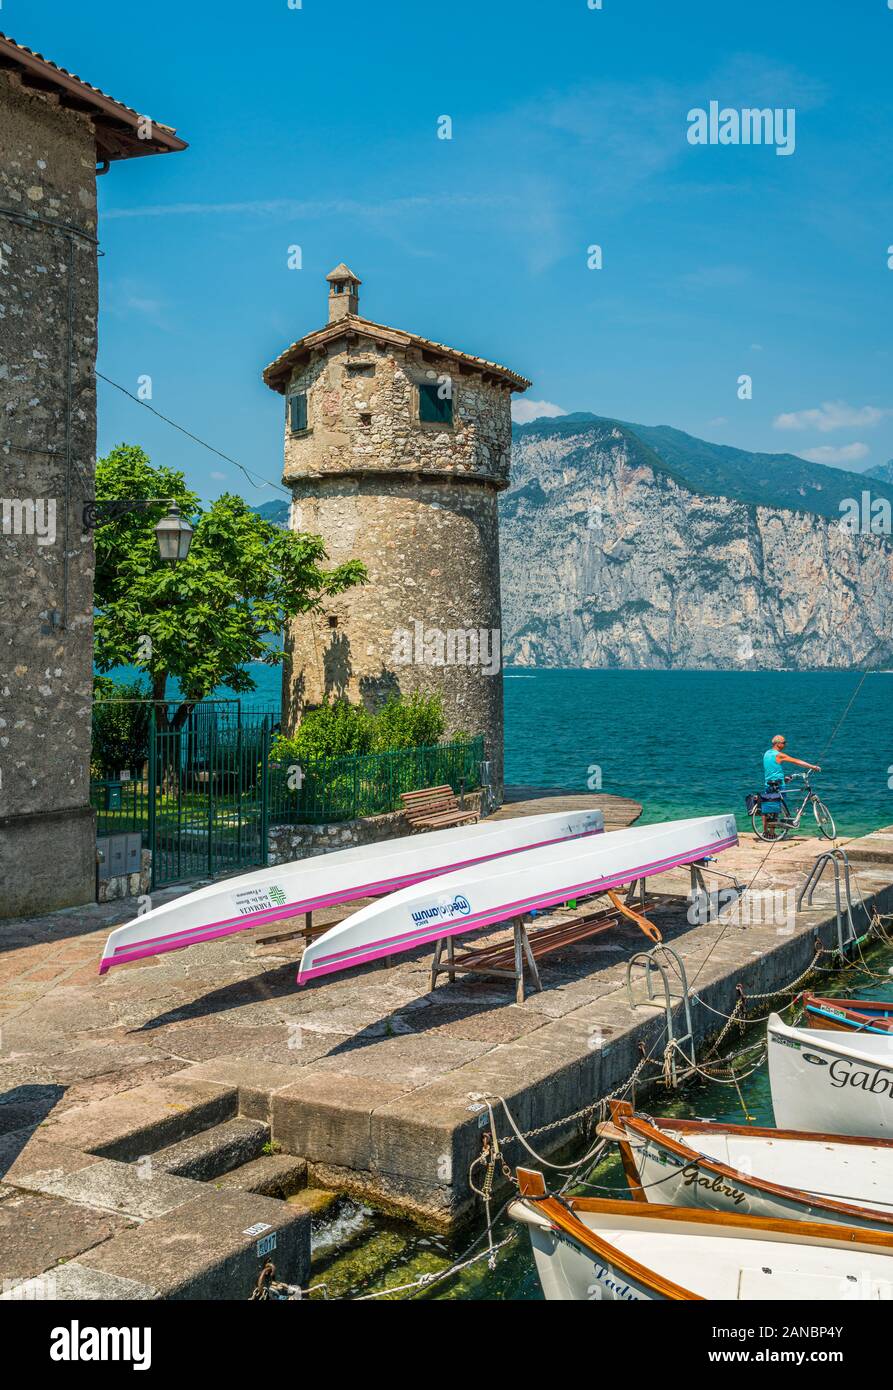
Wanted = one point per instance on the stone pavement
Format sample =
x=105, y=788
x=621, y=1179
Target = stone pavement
x=126, y=1100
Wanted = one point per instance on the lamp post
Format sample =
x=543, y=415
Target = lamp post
x=172, y=533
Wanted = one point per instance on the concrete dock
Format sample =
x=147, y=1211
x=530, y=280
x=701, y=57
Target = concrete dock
x=158, y=1125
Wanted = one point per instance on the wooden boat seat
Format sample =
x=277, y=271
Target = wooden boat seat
x=434, y=808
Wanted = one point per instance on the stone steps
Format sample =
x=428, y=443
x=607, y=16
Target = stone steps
x=271, y=1175
x=133, y=1123
x=214, y=1151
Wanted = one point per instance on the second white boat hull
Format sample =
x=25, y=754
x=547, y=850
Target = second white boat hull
x=497, y=891
x=829, y=1081
x=765, y=1174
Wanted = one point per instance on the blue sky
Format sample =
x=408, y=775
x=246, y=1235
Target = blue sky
x=317, y=127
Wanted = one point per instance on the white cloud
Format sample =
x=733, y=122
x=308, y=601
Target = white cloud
x=830, y=453
x=523, y=411
x=831, y=415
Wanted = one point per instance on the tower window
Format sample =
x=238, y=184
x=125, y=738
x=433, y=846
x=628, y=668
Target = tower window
x=297, y=411
x=434, y=408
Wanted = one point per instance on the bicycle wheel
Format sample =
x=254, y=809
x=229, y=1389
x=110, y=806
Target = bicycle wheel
x=824, y=820
x=775, y=830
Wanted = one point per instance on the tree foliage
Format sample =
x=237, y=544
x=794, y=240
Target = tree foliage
x=201, y=621
x=120, y=727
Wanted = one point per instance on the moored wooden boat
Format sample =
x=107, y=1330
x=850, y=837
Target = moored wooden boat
x=850, y=1015
x=589, y=1249
x=831, y=1082
x=788, y=1174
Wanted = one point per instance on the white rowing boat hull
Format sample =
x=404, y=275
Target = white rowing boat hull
x=497, y=891
x=772, y=1173
x=591, y=1250
x=270, y=895
x=833, y=1082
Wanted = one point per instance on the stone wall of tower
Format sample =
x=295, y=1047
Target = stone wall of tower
x=417, y=503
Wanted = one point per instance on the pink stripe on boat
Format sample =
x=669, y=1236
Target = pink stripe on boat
x=392, y=945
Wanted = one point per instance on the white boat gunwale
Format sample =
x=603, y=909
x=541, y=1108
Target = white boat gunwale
x=652, y=1130
x=839, y=1041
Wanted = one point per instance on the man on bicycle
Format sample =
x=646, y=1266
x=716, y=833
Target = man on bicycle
x=774, y=759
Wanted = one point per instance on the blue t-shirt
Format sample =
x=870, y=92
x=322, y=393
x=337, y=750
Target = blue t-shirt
x=772, y=770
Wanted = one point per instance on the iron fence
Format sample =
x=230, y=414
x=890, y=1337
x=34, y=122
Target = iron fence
x=317, y=790
x=207, y=792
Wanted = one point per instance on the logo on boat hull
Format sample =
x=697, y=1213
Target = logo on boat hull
x=250, y=900
x=692, y=1176
x=458, y=907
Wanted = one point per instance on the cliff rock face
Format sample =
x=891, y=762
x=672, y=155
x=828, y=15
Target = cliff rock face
x=608, y=560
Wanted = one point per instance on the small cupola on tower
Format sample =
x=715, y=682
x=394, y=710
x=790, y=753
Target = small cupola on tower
x=344, y=293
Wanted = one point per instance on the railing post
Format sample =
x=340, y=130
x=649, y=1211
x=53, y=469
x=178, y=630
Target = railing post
x=212, y=772
x=153, y=756
x=239, y=780
x=265, y=790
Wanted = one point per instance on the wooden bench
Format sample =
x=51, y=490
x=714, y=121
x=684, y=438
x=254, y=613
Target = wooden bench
x=432, y=808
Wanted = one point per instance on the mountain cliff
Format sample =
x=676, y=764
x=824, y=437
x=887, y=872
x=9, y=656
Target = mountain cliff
x=639, y=546
x=884, y=471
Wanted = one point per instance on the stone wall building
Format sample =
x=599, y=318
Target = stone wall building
x=396, y=449
x=56, y=134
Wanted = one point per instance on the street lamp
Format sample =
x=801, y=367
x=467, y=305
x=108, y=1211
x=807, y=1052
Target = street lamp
x=174, y=536
x=173, y=532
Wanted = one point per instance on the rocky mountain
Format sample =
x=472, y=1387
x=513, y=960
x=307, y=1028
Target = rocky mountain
x=770, y=480
x=277, y=511
x=639, y=546
x=882, y=471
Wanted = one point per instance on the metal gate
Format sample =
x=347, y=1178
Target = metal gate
x=207, y=793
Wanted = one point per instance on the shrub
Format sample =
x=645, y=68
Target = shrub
x=330, y=731
x=336, y=729
x=414, y=721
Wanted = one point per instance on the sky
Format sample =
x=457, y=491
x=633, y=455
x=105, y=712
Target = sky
x=318, y=125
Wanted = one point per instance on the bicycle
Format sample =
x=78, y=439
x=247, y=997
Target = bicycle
x=781, y=825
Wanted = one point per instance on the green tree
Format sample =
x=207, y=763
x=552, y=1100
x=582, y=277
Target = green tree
x=201, y=621
x=120, y=727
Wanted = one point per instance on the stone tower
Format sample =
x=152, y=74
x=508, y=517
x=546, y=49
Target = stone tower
x=396, y=449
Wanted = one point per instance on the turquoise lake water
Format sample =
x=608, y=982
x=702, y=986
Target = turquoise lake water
x=691, y=742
